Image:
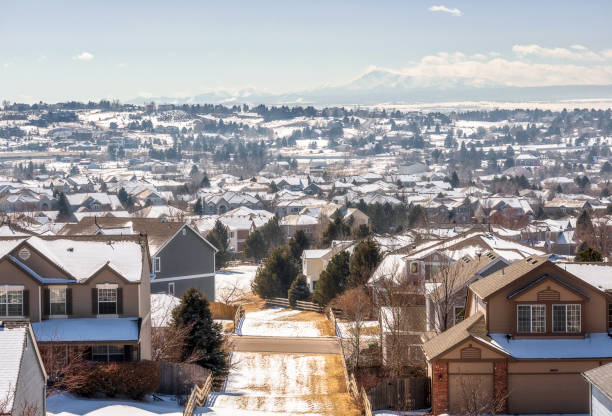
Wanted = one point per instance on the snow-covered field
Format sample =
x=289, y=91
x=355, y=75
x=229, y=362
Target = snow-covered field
x=279, y=384
x=234, y=281
x=69, y=405
x=278, y=322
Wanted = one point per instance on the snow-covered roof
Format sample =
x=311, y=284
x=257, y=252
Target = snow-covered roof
x=11, y=352
x=597, y=275
x=86, y=330
x=81, y=258
x=593, y=345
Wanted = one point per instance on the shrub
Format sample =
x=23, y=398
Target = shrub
x=133, y=379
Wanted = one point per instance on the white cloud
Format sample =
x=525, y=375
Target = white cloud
x=456, y=69
x=444, y=9
x=84, y=56
x=576, y=52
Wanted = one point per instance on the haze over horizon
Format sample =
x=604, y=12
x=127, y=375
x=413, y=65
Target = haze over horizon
x=87, y=51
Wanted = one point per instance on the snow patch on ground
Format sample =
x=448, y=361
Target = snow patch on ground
x=230, y=278
x=69, y=405
x=345, y=328
x=277, y=322
x=162, y=305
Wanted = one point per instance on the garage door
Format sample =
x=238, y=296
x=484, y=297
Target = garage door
x=466, y=389
x=547, y=393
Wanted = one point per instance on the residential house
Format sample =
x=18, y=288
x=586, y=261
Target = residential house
x=530, y=330
x=315, y=261
x=94, y=202
x=91, y=293
x=181, y=257
x=600, y=390
x=564, y=206
x=23, y=379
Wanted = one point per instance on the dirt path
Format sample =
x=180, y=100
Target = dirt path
x=290, y=366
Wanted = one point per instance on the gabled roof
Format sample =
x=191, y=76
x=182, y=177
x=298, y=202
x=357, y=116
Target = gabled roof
x=500, y=279
x=601, y=377
x=12, y=342
x=473, y=327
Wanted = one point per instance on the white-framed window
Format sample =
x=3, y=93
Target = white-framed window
x=107, y=353
x=156, y=264
x=11, y=301
x=171, y=288
x=566, y=318
x=414, y=267
x=531, y=319
x=231, y=234
x=107, y=301
x=57, y=301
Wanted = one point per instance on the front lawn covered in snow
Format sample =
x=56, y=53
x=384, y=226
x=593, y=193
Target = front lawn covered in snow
x=285, y=323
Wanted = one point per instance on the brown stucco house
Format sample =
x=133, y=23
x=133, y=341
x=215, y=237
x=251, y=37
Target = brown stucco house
x=530, y=330
x=88, y=293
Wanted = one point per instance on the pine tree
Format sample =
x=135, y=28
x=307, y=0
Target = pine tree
x=254, y=246
x=205, y=182
x=218, y=238
x=332, y=281
x=298, y=290
x=197, y=209
x=589, y=255
x=272, y=234
x=454, y=182
x=63, y=207
x=205, y=337
x=364, y=260
x=298, y=243
x=275, y=276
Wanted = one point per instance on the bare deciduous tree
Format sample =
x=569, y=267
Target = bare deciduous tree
x=402, y=320
x=356, y=307
x=477, y=399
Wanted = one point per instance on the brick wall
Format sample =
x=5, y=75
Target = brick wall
x=439, y=391
x=500, y=376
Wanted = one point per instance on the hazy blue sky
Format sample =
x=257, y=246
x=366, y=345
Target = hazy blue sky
x=58, y=50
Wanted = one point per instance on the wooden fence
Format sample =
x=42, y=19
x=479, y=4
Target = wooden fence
x=301, y=305
x=178, y=378
x=198, y=396
x=401, y=394
x=238, y=316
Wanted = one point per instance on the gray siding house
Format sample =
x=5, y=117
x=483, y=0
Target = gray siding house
x=181, y=258
x=186, y=260
x=23, y=378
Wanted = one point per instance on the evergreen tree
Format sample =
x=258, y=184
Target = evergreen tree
x=272, y=233
x=336, y=230
x=454, y=181
x=364, y=260
x=254, y=246
x=205, y=337
x=63, y=207
x=333, y=280
x=275, y=276
x=124, y=198
x=297, y=244
x=218, y=238
x=559, y=189
x=205, y=182
x=197, y=209
x=589, y=255
x=298, y=290
x=273, y=187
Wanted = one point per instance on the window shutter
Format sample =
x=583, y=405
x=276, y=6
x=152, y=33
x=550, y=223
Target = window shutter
x=94, y=301
x=26, y=303
x=69, y=301
x=46, y=302
x=120, y=301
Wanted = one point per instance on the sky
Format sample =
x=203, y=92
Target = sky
x=62, y=50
